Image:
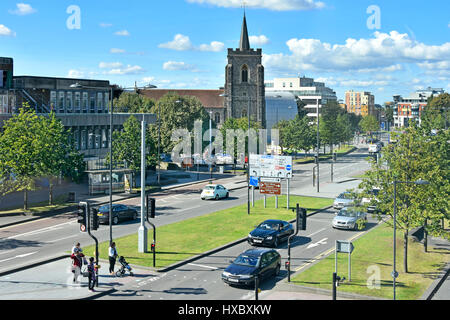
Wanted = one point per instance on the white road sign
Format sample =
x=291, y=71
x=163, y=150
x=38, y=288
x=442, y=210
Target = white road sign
x=271, y=166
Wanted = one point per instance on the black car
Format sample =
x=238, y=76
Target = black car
x=120, y=213
x=251, y=263
x=270, y=233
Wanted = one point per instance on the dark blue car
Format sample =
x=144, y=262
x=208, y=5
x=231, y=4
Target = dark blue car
x=270, y=233
x=243, y=271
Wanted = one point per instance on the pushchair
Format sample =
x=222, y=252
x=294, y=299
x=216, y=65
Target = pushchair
x=123, y=268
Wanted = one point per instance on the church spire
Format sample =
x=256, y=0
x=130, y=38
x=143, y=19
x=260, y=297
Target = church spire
x=245, y=43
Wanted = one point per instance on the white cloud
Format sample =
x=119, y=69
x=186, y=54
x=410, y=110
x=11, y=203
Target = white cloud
x=5, y=31
x=175, y=65
x=110, y=65
x=214, y=46
x=75, y=74
x=275, y=5
x=183, y=43
x=129, y=69
x=259, y=40
x=383, y=50
x=116, y=50
x=122, y=33
x=179, y=43
x=22, y=9
x=105, y=25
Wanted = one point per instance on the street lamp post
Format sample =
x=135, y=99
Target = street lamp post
x=394, y=271
x=318, y=175
x=111, y=112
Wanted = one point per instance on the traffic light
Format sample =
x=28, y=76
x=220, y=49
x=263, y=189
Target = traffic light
x=151, y=207
x=153, y=247
x=301, y=218
x=316, y=159
x=94, y=219
x=82, y=217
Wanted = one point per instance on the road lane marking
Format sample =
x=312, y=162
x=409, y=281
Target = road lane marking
x=314, y=233
x=202, y=266
x=52, y=228
x=318, y=243
x=20, y=256
x=76, y=235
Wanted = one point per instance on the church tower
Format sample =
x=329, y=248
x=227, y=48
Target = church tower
x=244, y=81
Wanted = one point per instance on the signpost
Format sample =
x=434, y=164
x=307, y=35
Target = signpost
x=345, y=247
x=270, y=166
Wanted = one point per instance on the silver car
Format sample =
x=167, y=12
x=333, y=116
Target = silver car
x=345, y=199
x=350, y=218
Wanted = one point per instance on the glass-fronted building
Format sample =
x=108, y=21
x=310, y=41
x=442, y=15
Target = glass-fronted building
x=279, y=106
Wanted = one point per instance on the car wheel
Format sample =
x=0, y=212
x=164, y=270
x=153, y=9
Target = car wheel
x=134, y=215
x=115, y=220
x=217, y=197
x=228, y=195
x=277, y=270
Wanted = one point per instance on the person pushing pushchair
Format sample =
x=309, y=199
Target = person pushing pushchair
x=124, y=267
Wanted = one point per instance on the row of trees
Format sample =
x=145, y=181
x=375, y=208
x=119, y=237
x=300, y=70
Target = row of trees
x=32, y=147
x=335, y=126
x=420, y=152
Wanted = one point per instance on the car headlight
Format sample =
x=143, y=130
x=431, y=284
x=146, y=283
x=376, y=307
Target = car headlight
x=246, y=277
x=226, y=274
x=249, y=235
x=269, y=238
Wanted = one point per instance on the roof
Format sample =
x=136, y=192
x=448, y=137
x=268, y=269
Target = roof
x=210, y=98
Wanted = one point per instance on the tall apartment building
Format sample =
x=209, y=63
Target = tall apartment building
x=360, y=103
x=307, y=90
x=411, y=107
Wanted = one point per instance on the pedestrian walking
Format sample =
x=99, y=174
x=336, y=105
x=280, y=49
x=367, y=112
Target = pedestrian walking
x=77, y=248
x=77, y=263
x=92, y=276
x=112, y=257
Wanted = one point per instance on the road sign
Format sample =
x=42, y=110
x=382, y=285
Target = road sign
x=270, y=166
x=253, y=181
x=265, y=179
x=344, y=246
x=272, y=188
x=82, y=228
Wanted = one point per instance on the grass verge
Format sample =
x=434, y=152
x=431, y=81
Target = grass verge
x=42, y=207
x=182, y=240
x=373, y=255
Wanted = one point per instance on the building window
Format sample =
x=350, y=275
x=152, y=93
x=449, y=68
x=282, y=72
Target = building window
x=53, y=100
x=290, y=84
x=97, y=139
x=77, y=102
x=100, y=102
x=244, y=73
x=61, y=102
x=76, y=139
x=244, y=113
x=91, y=135
x=83, y=140
x=104, y=139
x=85, y=102
x=69, y=102
x=217, y=117
x=106, y=101
x=92, y=104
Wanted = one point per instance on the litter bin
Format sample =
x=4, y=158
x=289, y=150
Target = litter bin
x=72, y=196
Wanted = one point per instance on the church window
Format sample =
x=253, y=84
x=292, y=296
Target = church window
x=244, y=73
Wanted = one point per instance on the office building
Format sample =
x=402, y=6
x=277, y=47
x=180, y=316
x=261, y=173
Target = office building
x=360, y=103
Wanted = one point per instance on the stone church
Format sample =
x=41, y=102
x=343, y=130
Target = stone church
x=244, y=81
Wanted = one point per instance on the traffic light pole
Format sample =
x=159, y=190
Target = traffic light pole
x=152, y=204
x=88, y=221
x=300, y=225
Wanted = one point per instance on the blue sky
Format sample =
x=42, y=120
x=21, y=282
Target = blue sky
x=183, y=43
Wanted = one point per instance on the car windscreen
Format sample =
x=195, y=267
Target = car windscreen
x=345, y=196
x=104, y=208
x=244, y=260
x=210, y=187
x=347, y=213
x=269, y=225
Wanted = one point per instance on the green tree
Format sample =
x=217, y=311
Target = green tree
x=415, y=156
x=132, y=102
x=369, y=124
x=435, y=114
x=344, y=128
x=329, y=132
x=20, y=155
x=127, y=145
x=389, y=111
x=177, y=112
x=57, y=151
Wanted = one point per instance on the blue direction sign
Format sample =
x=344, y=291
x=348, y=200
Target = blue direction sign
x=288, y=167
x=253, y=181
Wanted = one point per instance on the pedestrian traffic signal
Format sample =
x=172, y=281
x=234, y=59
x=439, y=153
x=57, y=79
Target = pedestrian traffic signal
x=153, y=247
x=94, y=219
x=301, y=218
x=82, y=217
x=151, y=207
